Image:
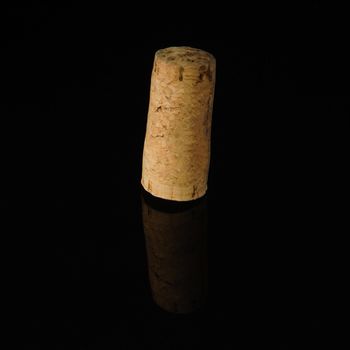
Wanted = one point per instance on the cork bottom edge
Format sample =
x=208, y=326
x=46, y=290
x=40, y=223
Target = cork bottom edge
x=173, y=193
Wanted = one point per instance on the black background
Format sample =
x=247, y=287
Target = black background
x=76, y=87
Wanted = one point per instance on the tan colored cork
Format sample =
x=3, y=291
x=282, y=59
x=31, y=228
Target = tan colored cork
x=176, y=151
x=176, y=243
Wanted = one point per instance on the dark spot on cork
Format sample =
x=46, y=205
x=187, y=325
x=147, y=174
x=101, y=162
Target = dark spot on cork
x=190, y=60
x=202, y=72
x=207, y=116
x=155, y=68
x=194, y=191
x=149, y=186
x=209, y=74
x=171, y=58
x=158, y=108
x=181, y=70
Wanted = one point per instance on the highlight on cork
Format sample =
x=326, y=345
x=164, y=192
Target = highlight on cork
x=176, y=153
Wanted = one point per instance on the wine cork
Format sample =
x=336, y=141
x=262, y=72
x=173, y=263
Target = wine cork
x=176, y=153
x=176, y=242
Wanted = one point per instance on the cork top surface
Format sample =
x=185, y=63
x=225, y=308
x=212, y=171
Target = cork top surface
x=186, y=56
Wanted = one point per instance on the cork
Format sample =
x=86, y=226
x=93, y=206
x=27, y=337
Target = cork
x=176, y=242
x=176, y=154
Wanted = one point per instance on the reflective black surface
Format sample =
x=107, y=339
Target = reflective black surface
x=176, y=242
x=78, y=231
x=84, y=276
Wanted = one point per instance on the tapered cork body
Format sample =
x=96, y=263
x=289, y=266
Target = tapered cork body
x=176, y=242
x=176, y=153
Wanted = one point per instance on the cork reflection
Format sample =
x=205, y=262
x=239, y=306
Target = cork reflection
x=176, y=243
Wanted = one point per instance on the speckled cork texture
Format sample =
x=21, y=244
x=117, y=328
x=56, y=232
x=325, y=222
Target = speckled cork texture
x=176, y=153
